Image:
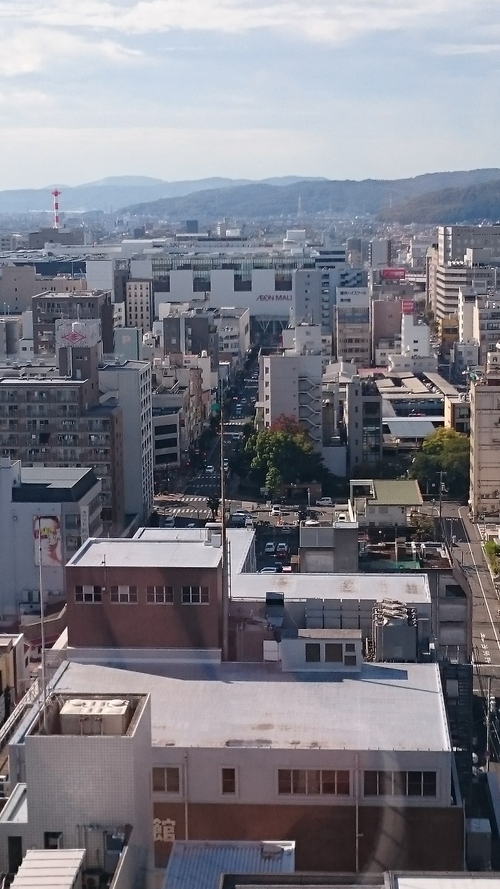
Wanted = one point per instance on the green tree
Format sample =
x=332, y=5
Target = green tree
x=285, y=448
x=448, y=452
x=274, y=481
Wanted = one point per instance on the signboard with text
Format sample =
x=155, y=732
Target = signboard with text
x=392, y=274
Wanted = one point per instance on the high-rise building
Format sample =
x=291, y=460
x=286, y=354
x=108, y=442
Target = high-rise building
x=129, y=383
x=290, y=385
x=139, y=304
x=453, y=240
x=352, y=325
x=363, y=422
x=485, y=441
x=48, y=308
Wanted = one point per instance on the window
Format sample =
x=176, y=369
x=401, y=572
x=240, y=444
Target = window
x=88, y=594
x=350, y=660
x=228, y=781
x=399, y=783
x=159, y=595
x=195, y=595
x=333, y=652
x=52, y=839
x=167, y=780
x=313, y=652
x=123, y=594
x=314, y=782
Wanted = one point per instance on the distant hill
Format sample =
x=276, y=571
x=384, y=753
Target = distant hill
x=340, y=197
x=474, y=203
x=114, y=192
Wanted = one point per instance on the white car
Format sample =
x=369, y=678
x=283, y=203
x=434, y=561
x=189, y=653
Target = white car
x=276, y=510
x=210, y=470
x=324, y=501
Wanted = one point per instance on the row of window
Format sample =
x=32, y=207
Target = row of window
x=314, y=782
x=334, y=653
x=155, y=595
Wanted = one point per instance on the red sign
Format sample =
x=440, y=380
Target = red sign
x=407, y=306
x=392, y=274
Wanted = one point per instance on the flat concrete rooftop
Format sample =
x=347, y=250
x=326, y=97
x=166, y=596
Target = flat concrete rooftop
x=384, y=707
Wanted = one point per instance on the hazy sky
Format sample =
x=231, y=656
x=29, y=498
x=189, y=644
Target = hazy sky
x=184, y=89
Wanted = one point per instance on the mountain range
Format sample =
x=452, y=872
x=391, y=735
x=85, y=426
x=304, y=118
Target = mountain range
x=110, y=194
x=446, y=197
x=347, y=198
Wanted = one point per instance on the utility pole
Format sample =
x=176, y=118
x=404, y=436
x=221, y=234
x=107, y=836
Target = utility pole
x=225, y=560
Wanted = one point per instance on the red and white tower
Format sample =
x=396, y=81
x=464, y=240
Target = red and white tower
x=55, y=195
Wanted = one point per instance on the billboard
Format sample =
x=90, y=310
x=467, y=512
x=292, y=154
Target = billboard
x=407, y=306
x=392, y=274
x=47, y=541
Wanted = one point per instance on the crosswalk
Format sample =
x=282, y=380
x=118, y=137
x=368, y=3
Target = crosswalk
x=192, y=506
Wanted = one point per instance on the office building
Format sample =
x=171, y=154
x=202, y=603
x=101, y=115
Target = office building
x=139, y=304
x=352, y=325
x=485, y=441
x=49, y=308
x=290, y=385
x=486, y=325
x=46, y=513
x=453, y=240
x=129, y=384
x=363, y=422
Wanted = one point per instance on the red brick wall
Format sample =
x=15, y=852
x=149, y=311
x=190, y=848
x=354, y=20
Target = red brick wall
x=390, y=838
x=144, y=625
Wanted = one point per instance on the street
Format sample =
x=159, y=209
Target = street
x=465, y=542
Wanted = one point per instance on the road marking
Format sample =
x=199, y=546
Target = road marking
x=497, y=640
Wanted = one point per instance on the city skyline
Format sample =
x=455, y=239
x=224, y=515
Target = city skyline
x=185, y=90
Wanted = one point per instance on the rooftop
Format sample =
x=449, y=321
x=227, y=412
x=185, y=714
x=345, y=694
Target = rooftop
x=54, y=868
x=54, y=484
x=398, y=492
x=140, y=553
x=200, y=864
x=382, y=707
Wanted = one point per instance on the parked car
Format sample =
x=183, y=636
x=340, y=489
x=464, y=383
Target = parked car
x=310, y=522
x=324, y=501
x=270, y=570
x=275, y=509
x=282, y=549
x=270, y=548
x=168, y=521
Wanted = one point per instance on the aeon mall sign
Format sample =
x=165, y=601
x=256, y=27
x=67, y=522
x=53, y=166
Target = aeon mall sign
x=275, y=297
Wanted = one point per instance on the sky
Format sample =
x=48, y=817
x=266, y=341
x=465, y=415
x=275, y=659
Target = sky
x=185, y=89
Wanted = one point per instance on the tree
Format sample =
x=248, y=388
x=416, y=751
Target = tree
x=274, y=481
x=448, y=452
x=213, y=503
x=284, y=448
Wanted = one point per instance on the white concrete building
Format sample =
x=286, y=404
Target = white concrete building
x=233, y=328
x=65, y=504
x=291, y=385
x=484, y=496
x=415, y=337
x=190, y=774
x=130, y=384
x=81, y=780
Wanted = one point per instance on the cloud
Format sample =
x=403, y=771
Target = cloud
x=467, y=49
x=31, y=50
x=326, y=21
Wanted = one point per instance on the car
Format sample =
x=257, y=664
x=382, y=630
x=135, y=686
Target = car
x=270, y=548
x=275, y=509
x=269, y=571
x=341, y=517
x=168, y=521
x=324, y=501
x=210, y=470
x=226, y=463
x=249, y=522
x=310, y=522
x=282, y=549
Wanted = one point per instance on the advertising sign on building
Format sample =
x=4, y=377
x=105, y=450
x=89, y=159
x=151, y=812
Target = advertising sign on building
x=407, y=306
x=47, y=541
x=392, y=274
x=84, y=523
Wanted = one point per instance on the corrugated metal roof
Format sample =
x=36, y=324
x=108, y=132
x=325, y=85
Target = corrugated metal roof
x=411, y=427
x=397, y=492
x=54, y=868
x=199, y=865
